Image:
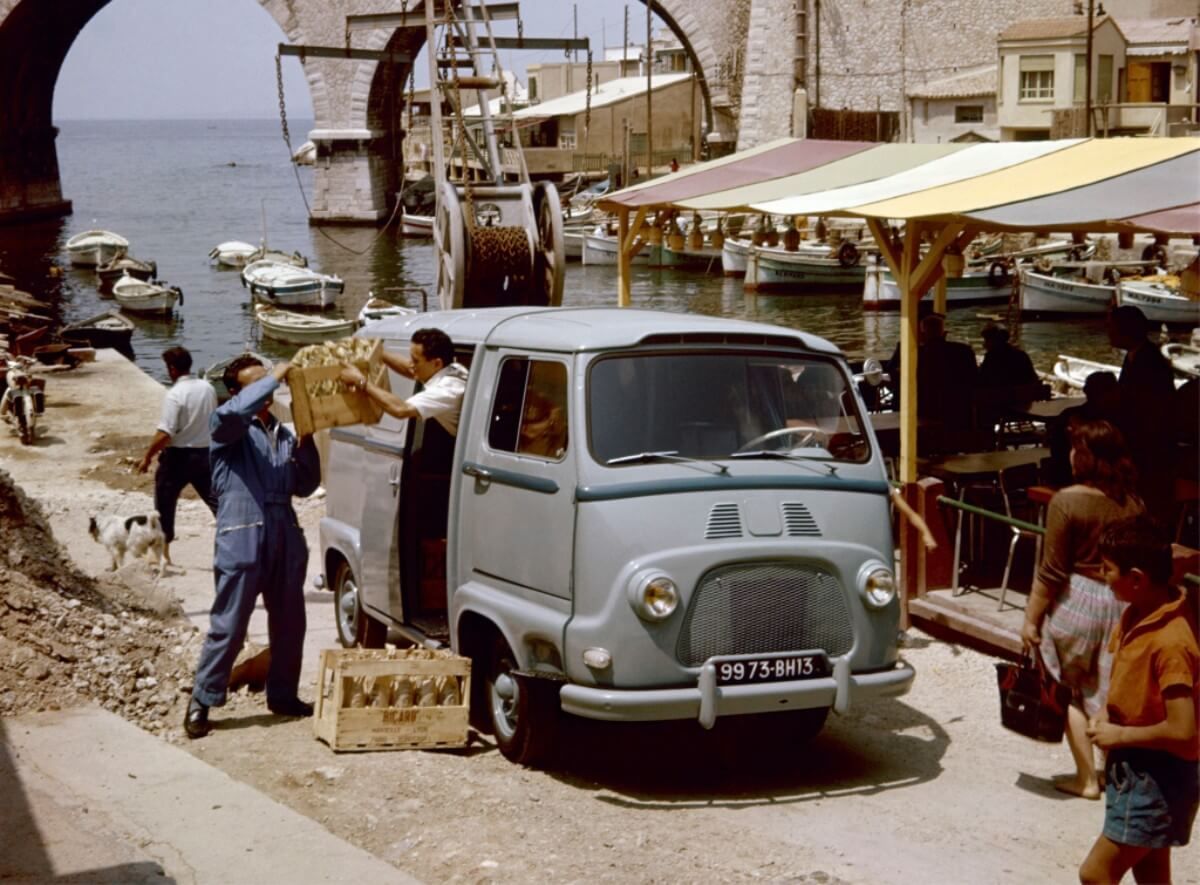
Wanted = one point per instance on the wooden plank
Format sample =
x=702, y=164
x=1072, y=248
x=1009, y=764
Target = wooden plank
x=934, y=609
x=391, y=20
x=344, y=52
x=566, y=44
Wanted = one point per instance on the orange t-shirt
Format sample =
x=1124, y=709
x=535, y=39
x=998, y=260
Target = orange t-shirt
x=1151, y=655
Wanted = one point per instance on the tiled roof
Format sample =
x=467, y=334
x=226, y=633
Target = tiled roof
x=980, y=81
x=1158, y=30
x=1051, y=28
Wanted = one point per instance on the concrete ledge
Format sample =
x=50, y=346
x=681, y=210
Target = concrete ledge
x=86, y=796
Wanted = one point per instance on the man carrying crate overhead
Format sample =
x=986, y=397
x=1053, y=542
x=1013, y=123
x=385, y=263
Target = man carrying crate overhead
x=257, y=466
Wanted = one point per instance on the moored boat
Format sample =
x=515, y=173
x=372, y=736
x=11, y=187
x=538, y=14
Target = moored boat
x=779, y=268
x=416, y=225
x=1184, y=358
x=107, y=329
x=379, y=308
x=111, y=271
x=290, y=286
x=600, y=247
x=734, y=253
x=300, y=328
x=1046, y=293
x=573, y=244
x=233, y=253
x=1159, y=302
x=146, y=296
x=1073, y=371
x=95, y=247
x=881, y=292
x=690, y=259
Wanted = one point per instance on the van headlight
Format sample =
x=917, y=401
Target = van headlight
x=877, y=585
x=654, y=596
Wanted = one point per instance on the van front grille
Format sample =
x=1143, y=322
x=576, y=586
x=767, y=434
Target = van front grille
x=762, y=608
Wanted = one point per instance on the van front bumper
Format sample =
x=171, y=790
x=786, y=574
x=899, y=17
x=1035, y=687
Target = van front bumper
x=707, y=700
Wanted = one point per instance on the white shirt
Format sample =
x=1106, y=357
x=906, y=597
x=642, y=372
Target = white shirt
x=185, y=412
x=442, y=396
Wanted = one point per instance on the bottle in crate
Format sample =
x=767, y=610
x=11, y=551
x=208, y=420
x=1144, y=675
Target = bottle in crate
x=427, y=694
x=402, y=692
x=448, y=693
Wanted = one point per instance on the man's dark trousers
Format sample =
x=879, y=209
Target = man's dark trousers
x=177, y=468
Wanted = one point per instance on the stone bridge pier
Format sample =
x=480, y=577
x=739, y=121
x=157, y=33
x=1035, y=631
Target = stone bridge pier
x=356, y=104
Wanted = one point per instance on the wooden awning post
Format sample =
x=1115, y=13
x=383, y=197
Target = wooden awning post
x=910, y=297
x=939, y=295
x=624, y=264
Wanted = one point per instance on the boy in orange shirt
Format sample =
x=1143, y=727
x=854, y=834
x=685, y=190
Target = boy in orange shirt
x=1149, y=725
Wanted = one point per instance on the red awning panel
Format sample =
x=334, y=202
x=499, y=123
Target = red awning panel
x=1180, y=220
x=787, y=159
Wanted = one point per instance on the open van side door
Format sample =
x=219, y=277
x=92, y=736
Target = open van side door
x=380, y=581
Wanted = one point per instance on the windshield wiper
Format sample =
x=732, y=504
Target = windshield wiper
x=786, y=456
x=672, y=456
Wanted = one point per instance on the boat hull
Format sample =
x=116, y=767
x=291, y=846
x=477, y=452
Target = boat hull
x=300, y=329
x=313, y=296
x=1044, y=294
x=733, y=257
x=881, y=292
x=601, y=249
x=140, y=297
x=1160, y=304
x=93, y=248
x=775, y=269
x=108, y=329
x=686, y=259
x=416, y=225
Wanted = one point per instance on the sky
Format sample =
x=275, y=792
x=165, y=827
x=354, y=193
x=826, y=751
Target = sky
x=215, y=59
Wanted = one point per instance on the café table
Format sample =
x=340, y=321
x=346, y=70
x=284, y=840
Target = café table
x=973, y=469
x=1047, y=409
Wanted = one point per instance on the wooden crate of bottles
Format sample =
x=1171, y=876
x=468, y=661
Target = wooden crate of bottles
x=392, y=699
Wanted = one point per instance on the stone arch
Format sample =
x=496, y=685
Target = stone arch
x=35, y=38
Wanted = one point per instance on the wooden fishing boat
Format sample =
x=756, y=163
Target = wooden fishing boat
x=233, y=253
x=733, y=256
x=300, y=328
x=817, y=268
x=1073, y=371
x=107, y=329
x=146, y=296
x=880, y=291
x=1045, y=293
x=416, y=225
x=111, y=271
x=290, y=286
x=95, y=247
x=1184, y=358
x=1159, y=302
x=379, y=308
x=600, y=247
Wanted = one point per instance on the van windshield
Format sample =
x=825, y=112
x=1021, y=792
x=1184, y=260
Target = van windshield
x=719, y=404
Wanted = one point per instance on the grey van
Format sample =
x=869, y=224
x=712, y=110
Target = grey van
x=644, y=516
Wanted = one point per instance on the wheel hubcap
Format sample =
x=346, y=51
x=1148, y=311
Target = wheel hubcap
x=348, y=609
x=505, y=695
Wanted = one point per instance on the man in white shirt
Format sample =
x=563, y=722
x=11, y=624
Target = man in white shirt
x=182, y=438
x=431, y=362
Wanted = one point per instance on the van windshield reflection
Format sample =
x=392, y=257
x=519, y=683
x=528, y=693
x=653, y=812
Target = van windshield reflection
x=722, y=405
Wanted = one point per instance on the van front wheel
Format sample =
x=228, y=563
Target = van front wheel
x=522, y=710
x=355, y=628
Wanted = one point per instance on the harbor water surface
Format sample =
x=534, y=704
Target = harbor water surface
x=177, y=188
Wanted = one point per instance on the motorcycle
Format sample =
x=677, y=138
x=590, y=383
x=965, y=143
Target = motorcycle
x=22, y=402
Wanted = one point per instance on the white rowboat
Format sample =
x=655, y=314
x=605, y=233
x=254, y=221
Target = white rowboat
x=1073, y=370
x=300, y=328
x=378, y=308
x=144, y=296
x=95, y=247
x=880, y=291
x=233, y=253
x=1184, y=358
x=290, y=286
x=1160, y=303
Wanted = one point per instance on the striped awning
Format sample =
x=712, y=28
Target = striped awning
x=1080, y=184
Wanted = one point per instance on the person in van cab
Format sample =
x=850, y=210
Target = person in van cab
x=431, y=362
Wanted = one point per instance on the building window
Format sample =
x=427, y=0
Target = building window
x=1037, y=85
x=1104, y=80
x=1080, y=96
x=566, y=140
x=968, y=113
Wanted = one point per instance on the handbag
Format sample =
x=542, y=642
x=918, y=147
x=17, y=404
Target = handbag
x=1032, y=702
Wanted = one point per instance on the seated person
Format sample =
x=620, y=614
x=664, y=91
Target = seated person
x=946, y=375
x=543, y=428
x=1102, y=394
x=431, y=362
x=1004, y=365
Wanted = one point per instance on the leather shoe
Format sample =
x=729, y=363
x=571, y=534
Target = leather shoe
x=291, y=707
x=196, y=723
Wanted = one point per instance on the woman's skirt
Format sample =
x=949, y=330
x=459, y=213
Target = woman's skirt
x=1075, y=637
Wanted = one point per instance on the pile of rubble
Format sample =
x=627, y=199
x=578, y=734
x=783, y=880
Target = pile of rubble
x=67, y=639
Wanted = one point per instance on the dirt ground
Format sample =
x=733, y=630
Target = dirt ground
x=925, y=787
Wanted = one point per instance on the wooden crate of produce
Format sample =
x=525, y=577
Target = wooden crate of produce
x=392, y=699
x=319, y=400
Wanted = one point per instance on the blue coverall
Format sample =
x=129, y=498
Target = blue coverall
x=260, y=548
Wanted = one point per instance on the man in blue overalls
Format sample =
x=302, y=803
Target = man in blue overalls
x=257, y=466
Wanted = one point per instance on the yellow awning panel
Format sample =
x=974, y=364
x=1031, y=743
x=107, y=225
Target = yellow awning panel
x=1082, y=164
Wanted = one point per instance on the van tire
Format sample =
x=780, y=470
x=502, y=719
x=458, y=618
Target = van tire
x=522, y=711
x=355, y=628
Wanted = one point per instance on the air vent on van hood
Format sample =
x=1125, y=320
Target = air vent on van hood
x=724, y=521
x=798, y=522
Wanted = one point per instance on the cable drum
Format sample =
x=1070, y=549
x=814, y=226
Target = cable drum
x=500, y=260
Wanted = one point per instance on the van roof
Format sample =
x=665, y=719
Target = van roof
x=583, y=329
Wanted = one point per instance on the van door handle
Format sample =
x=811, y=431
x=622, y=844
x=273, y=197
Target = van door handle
x=476, y=471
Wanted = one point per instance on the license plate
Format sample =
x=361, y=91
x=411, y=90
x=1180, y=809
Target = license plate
x=782, y=668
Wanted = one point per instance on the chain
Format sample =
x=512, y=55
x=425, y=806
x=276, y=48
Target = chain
x=587, y=116
x=287, y=139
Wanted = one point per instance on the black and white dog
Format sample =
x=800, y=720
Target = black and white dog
x=136, y=535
